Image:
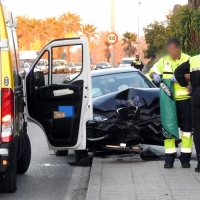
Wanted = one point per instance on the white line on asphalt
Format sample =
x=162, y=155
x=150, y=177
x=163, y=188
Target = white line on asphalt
x=54, y=165
x=74, y=182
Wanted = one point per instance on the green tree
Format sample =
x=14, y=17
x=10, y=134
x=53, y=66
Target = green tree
x=155, y=37
x=128, y=40
x=185, y=25
x=194, y=3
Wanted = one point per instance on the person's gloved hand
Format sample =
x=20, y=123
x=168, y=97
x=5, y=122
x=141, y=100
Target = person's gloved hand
x=156, y=78
x=173, y=79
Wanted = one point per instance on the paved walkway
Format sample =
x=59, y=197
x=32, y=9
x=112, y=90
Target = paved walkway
x=131, y=178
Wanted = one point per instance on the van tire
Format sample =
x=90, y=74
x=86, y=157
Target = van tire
x=8, y=183
x=24, y=160
x=61, y=152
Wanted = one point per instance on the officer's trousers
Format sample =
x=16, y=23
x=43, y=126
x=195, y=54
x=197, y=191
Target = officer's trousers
x=184, y=114
x=196, y=119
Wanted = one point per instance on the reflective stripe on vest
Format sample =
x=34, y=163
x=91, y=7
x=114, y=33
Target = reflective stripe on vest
x=195, y=63
x=186, y=150
x=179, y=92
x=186, y=134
x=169, y=151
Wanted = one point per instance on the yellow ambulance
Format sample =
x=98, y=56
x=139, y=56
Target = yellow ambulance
x=15, y=149
x=60, y=109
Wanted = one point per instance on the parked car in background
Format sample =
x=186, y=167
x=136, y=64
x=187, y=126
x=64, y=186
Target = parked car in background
x=93, y=67
x=78, y=67
x=60, y=67
x=126, y=62
x=43, y=66
x=103, y=65
x=26, y=66
x=71, y=67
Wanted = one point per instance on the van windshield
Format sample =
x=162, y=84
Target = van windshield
x=126, y=61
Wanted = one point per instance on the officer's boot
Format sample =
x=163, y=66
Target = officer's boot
x=169, y=160
x=198, y=163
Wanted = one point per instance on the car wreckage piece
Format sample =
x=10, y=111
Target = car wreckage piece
x=127, y=117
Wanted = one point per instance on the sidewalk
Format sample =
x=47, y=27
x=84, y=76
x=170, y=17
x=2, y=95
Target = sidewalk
x=131, y=178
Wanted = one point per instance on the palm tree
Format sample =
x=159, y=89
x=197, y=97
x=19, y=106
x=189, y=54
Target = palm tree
x=36, y=28
x=23, y=32
x=71, y=26
x=128, y=39
x=71, y=23
x=107, y=53
x=53, y=28
x=89, y=30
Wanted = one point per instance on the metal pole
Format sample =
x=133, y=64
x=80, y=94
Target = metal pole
x=139, y=2
x=112, y=30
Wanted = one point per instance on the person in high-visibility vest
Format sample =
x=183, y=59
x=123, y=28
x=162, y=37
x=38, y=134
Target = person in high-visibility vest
x=137, y=63
x=192, y=66
x=166, y=66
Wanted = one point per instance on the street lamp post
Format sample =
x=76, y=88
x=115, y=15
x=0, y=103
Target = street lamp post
x=139, y=2
x=112, y=30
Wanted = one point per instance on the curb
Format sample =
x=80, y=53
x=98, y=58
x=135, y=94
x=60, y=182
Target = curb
x=94, y=186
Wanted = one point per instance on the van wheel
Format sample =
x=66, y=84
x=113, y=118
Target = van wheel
x=24, y=160
x=8, y=184
x=61, y=152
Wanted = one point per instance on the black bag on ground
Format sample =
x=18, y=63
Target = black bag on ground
x=150, y=154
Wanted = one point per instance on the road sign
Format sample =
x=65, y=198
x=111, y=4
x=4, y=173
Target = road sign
x=112, y=38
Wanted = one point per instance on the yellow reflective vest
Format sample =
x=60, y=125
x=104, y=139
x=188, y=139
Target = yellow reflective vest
x=166, y=66
x=137, y=62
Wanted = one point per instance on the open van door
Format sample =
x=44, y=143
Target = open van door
x=61, y=108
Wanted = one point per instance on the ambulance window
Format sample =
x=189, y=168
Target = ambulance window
x=66, y=60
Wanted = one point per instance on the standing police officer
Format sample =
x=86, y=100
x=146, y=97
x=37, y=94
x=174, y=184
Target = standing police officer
x=166, y=67
x=192, y=66
x=137, y=63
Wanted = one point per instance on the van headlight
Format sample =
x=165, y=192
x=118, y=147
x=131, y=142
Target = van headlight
x=99, y=118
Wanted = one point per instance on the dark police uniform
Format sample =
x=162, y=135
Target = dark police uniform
x=192, y=66
x=137, y=64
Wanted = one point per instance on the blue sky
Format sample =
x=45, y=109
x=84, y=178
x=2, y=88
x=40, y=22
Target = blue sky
x=98, y=11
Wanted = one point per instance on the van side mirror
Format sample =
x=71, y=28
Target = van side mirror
x=39, y=79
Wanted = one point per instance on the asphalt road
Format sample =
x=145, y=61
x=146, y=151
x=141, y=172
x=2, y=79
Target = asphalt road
x=49, y=177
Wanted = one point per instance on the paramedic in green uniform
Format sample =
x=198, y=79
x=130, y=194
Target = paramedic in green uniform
x=166, y=67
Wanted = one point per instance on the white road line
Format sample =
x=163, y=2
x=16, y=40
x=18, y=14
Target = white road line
x=74, y=182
